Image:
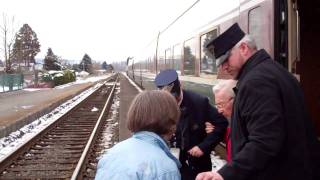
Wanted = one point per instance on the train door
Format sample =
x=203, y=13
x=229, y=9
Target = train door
x=281, y=32
x=308, y=66
x=296, y=49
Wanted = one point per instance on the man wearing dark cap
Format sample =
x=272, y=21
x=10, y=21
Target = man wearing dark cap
x=271, y=134
x=191, y=138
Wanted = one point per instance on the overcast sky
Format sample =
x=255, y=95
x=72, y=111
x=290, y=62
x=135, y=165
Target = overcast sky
x=105, y=29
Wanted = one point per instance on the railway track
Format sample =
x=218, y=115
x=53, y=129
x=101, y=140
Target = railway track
x=62, y=150
x=107, y=138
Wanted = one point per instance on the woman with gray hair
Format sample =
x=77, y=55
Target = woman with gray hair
x=152, y=118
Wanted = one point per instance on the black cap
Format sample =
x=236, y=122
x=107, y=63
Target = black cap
x=166, y=77
x=225, y=42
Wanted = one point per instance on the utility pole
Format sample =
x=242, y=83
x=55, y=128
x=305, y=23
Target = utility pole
x=156, y=58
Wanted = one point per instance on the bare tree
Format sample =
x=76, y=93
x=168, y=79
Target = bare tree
x=8, y=35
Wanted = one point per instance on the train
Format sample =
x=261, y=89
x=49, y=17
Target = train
x=286, y=29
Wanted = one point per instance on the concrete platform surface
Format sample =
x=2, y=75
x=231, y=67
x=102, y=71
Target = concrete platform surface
x=20, y=107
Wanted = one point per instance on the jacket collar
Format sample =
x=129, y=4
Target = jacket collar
x=156, y=140
x=257, y=58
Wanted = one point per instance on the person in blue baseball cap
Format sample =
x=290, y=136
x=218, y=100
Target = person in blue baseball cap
x=272, y=136
x=191, y=138
x=168, y=80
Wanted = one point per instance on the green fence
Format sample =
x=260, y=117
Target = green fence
x=10, y=82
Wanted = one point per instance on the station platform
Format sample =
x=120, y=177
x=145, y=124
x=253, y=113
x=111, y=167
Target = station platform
x=18, y=108
x=127, y=92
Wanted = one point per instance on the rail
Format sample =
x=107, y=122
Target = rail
x=93, y=136
x=60, y=150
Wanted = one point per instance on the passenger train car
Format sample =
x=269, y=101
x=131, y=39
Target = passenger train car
x=287, y=29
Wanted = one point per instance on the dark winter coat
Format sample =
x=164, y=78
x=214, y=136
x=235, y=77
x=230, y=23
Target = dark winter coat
x=271, y=133
x=195, y=111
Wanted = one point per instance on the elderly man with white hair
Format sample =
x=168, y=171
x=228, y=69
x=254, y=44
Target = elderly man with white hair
x=224, y=95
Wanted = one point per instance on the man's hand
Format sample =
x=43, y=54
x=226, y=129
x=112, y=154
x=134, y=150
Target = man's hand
x=195, y=151
x=209, y=176
x=209, y=127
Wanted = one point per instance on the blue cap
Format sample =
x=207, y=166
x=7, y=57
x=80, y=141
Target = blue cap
x=166, y=77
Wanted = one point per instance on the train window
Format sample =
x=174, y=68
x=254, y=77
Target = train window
x=255, y=25
x=177, y=57
x=168, y=58
x=208, y=65
x=189, y=54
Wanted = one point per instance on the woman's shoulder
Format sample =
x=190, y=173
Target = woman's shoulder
x=149, y=162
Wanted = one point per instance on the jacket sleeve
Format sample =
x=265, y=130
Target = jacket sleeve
x=219, y=121
x=260, y=110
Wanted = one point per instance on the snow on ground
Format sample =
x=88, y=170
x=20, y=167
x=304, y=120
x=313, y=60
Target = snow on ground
x=35, y=89
x=94, y=109
x=112, y=127
x=16, y=139
x=79, y=80
x=84, y=80
x=27, y=107
x=6, y=88
x=217, y=162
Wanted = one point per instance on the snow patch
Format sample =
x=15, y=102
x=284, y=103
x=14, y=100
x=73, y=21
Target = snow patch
x=27, y=107
x=217, y=162
x=94, y=109
x=18, y=138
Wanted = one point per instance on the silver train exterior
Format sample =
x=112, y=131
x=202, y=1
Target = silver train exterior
x=285, y=28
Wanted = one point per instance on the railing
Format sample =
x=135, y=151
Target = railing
x=10, y=82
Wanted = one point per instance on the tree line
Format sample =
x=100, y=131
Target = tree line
x=22, y=47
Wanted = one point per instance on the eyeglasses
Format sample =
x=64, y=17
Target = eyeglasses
x=222, y=104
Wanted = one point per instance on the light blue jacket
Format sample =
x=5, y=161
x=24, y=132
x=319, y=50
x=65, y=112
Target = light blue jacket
x=144, y=156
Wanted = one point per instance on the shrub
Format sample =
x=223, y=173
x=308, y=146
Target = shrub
x=46, y=77
x=69, y=76
x=59, y=77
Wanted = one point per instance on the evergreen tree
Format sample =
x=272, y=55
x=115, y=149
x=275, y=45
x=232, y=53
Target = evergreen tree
x=26, y=46
x=104, y=65
x=110, y=68
x=51, y=61
x=189, y=62
x=76, y=67
x=86, y=63
x=17, y=53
